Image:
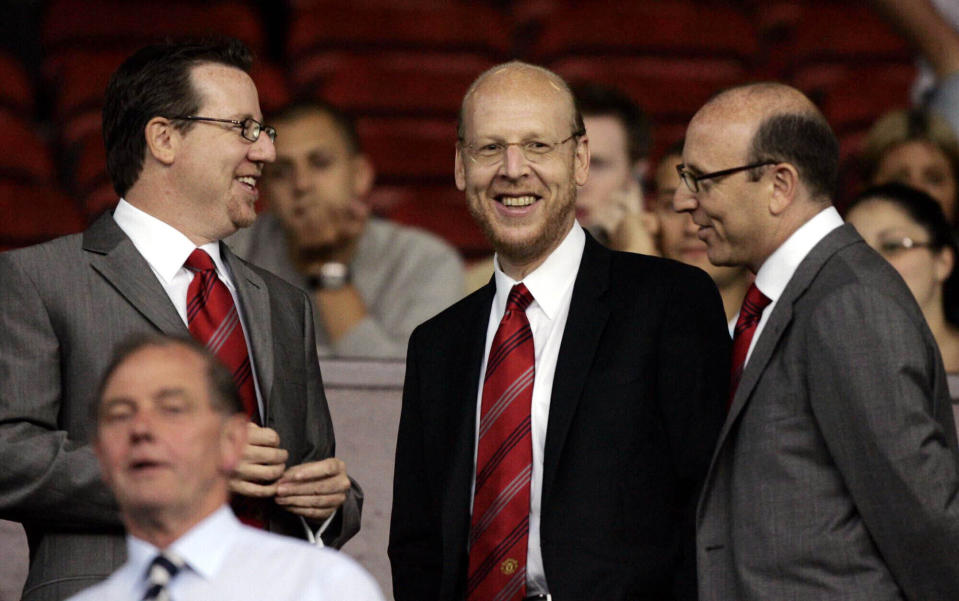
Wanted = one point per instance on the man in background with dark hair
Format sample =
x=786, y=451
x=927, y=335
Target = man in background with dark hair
x=170, y=429
x=835, y=476
x=371, y=281
x=185, y=149
x=610, y=204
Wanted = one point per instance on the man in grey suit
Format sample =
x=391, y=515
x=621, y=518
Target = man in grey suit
x=835, y=475
x=185, y=148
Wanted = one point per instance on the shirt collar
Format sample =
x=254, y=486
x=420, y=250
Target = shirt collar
x=548, y=282
x=778, y=269
x=164, y=247
x=204, y=547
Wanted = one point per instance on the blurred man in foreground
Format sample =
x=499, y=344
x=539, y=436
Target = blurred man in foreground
x=170, y=430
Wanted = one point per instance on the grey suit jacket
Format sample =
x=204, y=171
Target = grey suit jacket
x=63, y=307
x=835, y=475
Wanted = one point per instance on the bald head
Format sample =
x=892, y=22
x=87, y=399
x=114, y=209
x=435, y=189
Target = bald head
x=781, y=124
x=524, y=78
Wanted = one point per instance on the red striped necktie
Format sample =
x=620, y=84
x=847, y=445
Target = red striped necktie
x=213, y=319
x=746, y=324
x=499, y=526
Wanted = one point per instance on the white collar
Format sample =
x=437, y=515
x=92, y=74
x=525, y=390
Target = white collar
x=778, y=269
x=204, y=547
x=548, y=282
x=164, y=247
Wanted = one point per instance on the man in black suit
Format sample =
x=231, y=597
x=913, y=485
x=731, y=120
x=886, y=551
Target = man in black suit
x=627, y=397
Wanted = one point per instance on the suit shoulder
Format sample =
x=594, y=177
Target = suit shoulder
x=460, y=312
x=277, y=285
x=648, y=270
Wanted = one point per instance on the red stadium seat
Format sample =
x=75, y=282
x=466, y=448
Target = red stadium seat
x=16, y=91
x=405, y=149
x=26, y=157
x=669, y=89
x=79, y=80
x=394, y=84
x=123, y=25
x=439, y=209
x=442, y=26
x=37, y=212
x=665, y=28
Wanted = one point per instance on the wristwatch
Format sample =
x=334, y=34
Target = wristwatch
x=330, y=276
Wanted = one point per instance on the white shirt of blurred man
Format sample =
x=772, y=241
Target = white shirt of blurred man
x=170, y=430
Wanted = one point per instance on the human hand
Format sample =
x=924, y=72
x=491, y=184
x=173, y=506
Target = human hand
x=315, y=489
x=634, y=228
x=262, y=464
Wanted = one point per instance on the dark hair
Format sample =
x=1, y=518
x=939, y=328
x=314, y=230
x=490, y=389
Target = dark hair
x=224, y=397
x=926, y=213
x=604, y=101
x=804, y=140
x=343, y=121
x=155, y=81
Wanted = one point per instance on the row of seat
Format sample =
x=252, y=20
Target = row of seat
x=402, y=68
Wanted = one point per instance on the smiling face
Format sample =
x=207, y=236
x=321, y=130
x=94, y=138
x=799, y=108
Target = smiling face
x=730, y=213
x=525, y=207
x=923, y=166
x=610, y=170
x=216, y=169
x=317, y=183
x=163, y=448
x=883, y=226
x=678, y=239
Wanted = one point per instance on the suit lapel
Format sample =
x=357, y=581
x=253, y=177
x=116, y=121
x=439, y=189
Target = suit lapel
x=115, y=258
x=588, y=313
x=255, y=308
x=780, y=319
x=457, y=417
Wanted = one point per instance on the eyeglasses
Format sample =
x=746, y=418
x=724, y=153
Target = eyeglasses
x=534, y=151
x=692, y=181
x=893, y=246
x=250, y=128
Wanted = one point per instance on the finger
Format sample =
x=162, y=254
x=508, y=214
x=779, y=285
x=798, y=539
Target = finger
x=260, y=436
x=326, y=486
x=315, y=470
x=264, y=455
x=311, y=513
x=249, y=489
x=252, y=472
x=312, y=501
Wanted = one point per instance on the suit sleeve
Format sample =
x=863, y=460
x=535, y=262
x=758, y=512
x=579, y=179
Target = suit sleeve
x=346, y=521
x=873, y=393
x=414, y=546
x=694, y=380
x=45, y=476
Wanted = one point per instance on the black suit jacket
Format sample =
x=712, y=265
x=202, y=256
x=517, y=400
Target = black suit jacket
x=64, y=305
x=637, y=403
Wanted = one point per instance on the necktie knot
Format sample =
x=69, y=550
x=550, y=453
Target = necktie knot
x=753, y=305
x=519, y=298
x=161, y=571
x=199, y=261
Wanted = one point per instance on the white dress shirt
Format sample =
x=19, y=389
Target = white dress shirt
x=778, y=269
x=551, y=285
x=229, y=561
x=166, y=249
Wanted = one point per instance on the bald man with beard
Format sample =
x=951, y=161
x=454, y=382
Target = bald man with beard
x=835, y=476
x=617, y=401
